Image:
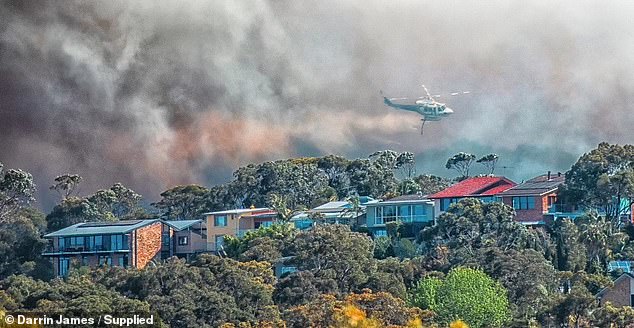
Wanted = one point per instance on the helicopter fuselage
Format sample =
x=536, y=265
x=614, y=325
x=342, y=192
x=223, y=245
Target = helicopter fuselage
x=430, y=110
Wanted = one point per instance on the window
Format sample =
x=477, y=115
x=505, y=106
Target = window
x=118, y=242
x=389, y=213
x=405, y=213
x=378, y=215
x=524, y=203
x=220, y=221
x=165, y=239
x=446, y=202
x=74, y=243
x=220, y=239
x=61, y=244
x=99, y=243
x=107, y=260
x=63, y=265
x=123, y=261
x=182, y=241
x=380, y=233
x=84, y=261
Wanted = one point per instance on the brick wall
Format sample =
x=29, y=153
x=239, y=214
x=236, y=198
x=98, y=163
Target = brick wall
x=148, y=244
x=619, y=295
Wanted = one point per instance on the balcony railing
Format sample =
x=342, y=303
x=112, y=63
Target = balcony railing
x=82, y=249
x=564, y=208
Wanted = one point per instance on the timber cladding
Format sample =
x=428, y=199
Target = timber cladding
x=148, y=244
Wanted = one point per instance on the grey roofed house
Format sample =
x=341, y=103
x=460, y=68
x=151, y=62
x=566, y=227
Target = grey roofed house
x=101, y=228
x=540, y=185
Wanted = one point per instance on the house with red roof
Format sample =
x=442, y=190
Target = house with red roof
x=486, y=189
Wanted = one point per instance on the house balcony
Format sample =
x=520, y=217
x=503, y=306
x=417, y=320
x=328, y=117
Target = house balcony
x=565, y=211
x=76, y=250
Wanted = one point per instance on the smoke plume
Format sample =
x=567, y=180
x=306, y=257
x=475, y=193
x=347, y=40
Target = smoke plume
x=154, y=94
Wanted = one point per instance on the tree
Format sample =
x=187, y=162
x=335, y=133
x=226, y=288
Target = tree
x=16, y=191
x=571, y=252
x=280, y=205
x=603, y=179
x=469, y=225
x=73, y=210
x=366, y=309
x=430, y=184
x=185, y=202
x=21, y=245
x=461, y=162
x=66, y=184
x=466, y=294
x=406, y=164
x=408, y=187
x=489, y=162
x=334, y=252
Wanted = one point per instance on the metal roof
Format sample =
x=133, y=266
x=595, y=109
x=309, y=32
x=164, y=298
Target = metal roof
x=101, y=228
x=182, y=224
x=238, y=211
x=333, y=206
x=539, y=185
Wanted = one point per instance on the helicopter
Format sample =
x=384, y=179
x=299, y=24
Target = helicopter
x=427, y=106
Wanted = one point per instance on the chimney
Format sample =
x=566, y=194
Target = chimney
x=548, y=175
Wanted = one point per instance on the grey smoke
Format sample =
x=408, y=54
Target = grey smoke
x=156, y=94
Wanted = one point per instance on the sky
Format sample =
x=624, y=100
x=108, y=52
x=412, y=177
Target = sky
x=156, y=94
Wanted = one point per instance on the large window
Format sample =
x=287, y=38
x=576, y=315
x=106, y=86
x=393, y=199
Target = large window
x=446, y=202
x=63, y=265
x=524, y=203
x=220, y=221
x=118, y=242
x=73, y=243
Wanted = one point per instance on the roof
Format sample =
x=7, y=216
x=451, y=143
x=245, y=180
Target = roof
x=476, y=187
x=333, y=206
x=101, y=228
x=408, y=197
x=238, y=211
x=539, y=185
x=404, y=199
x=624, y=275
x=182, y=224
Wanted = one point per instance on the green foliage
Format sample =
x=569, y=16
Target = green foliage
x=603, y=179
x=74, y=210
x=334, y=252
x=571, y=252
x=425, y=294
x=430, y=184
x=16, y=191
x=66, y=184
x=465, y=294
x=461, y=162
x=489, y=162
x=186, y=202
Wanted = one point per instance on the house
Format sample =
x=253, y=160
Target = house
x=131, y=243
x=621, y=293
x=485, y=188
x=184, y=238
x=342, y=212
x=535, y=200
x=235, y=223
x=415, y=210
